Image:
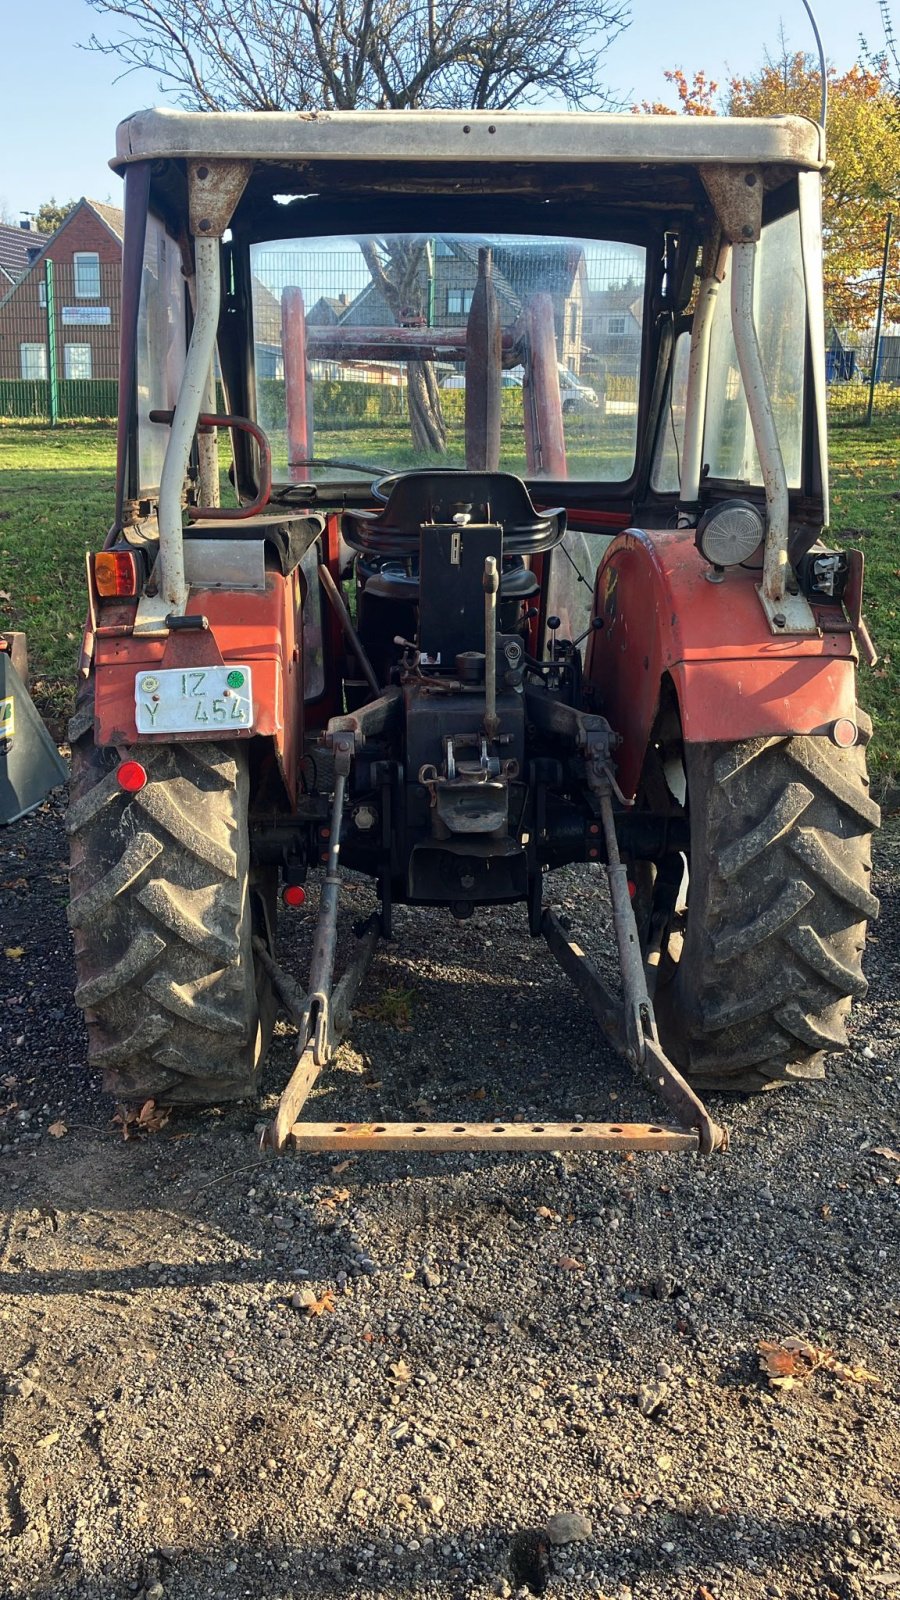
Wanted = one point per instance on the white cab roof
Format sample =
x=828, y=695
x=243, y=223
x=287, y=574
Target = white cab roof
x=470, y=136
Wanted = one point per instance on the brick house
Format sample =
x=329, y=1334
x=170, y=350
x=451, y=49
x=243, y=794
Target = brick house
x=18, y=249
x=83, y=289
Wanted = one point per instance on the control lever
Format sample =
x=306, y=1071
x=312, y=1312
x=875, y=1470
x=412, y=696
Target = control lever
x=596, y=623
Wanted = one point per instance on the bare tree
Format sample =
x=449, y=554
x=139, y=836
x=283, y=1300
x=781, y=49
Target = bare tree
x=296, y=55
x=885, y=57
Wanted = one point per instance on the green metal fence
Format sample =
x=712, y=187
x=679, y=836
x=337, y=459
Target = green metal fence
x=59, y=342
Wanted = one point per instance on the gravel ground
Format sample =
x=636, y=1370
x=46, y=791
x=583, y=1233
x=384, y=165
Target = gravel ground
x=511, y=1338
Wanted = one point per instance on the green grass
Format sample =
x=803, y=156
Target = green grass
x=56, y=502
x=57, y=488
x=866, y=513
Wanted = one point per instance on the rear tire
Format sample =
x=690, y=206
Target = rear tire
x=163, y=911
x=757, y=978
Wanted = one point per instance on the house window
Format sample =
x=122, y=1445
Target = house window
x=87, y=275
x=33, y=360
x=615, y=326
x=458, y=301
x=42, y=293
x=77, y=361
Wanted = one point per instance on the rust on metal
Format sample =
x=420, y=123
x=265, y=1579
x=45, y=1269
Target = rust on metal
x=208, y=420
x=298, y=390
x=214, y=189
x=483, y=367
x=399, y=344
x=441, y=1137
x=310, y=1060
x=654, y=1065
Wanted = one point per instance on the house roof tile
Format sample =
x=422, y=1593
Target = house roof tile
x=15, y=245
x=113, y=216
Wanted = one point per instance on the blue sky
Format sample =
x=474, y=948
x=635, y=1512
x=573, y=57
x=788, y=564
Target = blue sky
x=59, y=106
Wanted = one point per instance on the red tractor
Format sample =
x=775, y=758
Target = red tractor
x=522, y=568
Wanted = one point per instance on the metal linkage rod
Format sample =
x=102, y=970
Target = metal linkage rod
x=336, y=601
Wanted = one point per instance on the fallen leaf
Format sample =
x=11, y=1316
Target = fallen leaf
x=338, y=1196
x=344, y=1166
x=882, y=1150
x=400, y=1374
x=569, y=1264
x=794, y=1360
x=547, y=1214
x=703, y=1593
x=14, y=951
x=48, y=1439
x=319, y=1307
x=848, y=1374
x=776, y=1362
x=58, y=1129
x=139, y=1122
x=478, y=1094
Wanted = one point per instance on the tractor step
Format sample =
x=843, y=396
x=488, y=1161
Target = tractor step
x=446, y=1137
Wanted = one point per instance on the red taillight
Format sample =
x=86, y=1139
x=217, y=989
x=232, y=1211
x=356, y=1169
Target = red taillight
x=293, y=895
x=115, y=574
x=632, y=888
x=131, y=776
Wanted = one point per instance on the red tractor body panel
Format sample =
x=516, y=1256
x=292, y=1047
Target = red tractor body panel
x=734, y=679
x=255, y=628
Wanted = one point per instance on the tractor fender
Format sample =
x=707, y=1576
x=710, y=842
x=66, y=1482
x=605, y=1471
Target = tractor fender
x=258, y=629
x=734, y=680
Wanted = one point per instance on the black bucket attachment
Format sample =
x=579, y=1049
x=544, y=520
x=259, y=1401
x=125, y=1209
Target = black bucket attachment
x=30, y=764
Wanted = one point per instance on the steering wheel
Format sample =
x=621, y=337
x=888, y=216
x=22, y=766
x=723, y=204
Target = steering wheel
x=382, y=487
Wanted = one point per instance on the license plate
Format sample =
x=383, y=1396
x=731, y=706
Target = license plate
x=194, y=700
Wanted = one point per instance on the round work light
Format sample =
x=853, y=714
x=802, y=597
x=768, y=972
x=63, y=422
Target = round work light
x=729, y=533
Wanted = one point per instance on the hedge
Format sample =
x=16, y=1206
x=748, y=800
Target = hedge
x=76, y=397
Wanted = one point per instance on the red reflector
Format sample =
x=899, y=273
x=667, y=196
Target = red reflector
x=293, y=895
x=131, y=776
x=844, y=733
x=632, y=888
x=115, y=573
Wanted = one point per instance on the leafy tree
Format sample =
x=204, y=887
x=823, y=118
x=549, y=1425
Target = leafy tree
x=50, y=215
x=296, y=55
x=695, y=99
x=863, y=140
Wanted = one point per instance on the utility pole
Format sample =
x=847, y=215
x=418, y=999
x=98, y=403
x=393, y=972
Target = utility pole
x=876, y=354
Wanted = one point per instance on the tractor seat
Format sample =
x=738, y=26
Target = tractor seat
x=389, y=580
x=412, y=500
